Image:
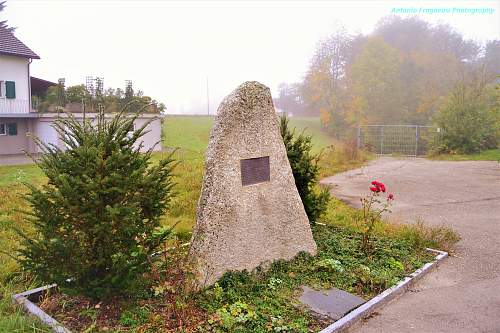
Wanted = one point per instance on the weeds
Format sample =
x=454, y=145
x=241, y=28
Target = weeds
x=439, y=237
x=342, y=157
x=485, y=155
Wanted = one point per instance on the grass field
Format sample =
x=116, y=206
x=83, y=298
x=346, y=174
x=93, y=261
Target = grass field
x=486, y=155
x=190, y=135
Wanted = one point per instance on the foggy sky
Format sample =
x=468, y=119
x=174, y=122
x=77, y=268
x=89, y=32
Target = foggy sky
x=168, y=48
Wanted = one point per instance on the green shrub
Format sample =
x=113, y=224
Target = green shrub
x=468, y=120
x=97, y=219
x=305, y=170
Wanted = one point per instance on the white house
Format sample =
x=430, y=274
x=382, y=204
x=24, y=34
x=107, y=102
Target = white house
x=18, y=118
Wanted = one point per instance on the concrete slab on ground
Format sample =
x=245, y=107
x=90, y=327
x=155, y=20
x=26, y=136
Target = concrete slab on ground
x=333, y=303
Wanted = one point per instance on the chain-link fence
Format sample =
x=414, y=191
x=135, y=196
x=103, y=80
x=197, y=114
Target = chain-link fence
x=407, y=140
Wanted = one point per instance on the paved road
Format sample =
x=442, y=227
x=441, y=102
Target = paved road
x=463, y=294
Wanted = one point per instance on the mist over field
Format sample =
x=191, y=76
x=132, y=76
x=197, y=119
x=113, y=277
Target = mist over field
x=401, y=73
x=168, y=49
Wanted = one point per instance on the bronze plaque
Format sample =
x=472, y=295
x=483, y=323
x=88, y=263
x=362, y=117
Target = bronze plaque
x=255, y=170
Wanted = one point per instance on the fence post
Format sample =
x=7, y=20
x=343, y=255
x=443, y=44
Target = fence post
x=359, y=137
x=416, y=140
x=381, y=140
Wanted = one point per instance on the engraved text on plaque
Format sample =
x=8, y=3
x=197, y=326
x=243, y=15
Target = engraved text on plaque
x=255, y=170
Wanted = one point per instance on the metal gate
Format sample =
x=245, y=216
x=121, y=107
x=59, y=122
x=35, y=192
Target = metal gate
x=407, y=140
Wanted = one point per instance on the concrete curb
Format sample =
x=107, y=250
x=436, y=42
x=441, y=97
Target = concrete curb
x=26, y=300
x=353, y=317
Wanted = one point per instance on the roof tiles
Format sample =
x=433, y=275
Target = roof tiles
x=10, y=45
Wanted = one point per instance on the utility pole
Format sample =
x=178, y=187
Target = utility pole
x=208, y=100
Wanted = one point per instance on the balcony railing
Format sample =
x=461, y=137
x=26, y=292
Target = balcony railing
x=14, y=105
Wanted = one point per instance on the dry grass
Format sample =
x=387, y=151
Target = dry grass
x=418, y=234
x=342, y=157
x=439, y=237
x=487, y=155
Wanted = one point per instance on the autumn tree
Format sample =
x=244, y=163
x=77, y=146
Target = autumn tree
x=399, y=74
x=491, y=59
x=375, y=85
x=324, y=85
x=431, y=60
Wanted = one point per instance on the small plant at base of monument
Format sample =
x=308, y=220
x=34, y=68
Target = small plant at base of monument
x=371, y=213
x=97, y=219
x=306, y=171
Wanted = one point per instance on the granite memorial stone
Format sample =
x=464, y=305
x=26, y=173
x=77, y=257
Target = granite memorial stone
x=249, y=212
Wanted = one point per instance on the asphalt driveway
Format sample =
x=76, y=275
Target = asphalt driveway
x=463, y=294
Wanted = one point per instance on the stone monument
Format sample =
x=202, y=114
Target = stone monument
x=249, y=212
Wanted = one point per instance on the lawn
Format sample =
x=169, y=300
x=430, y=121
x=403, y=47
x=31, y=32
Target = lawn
x=486, y=155
x=187, y=132
x=403, y=246
x=198, y=130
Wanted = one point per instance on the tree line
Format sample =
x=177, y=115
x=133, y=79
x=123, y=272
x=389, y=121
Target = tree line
x=405, y=72
x=91, y=98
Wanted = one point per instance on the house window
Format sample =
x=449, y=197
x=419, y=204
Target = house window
x=10, y=89
x=12, y=128
x=2, y=89
x=8, y=128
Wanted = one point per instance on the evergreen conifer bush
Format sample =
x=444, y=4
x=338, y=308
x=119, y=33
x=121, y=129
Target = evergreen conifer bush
x=97, y=219
x=305, y=170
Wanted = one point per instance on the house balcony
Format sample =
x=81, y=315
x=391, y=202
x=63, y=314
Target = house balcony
x=14, y=106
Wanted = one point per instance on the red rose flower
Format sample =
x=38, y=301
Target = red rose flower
x=377, y=186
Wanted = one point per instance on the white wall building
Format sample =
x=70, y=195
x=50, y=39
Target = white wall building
x=18, y=119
